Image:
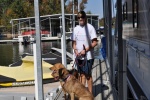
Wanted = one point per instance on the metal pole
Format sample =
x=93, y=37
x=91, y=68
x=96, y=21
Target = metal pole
x=61, y=32
x=120, y=51
x=30, y=25
x=91, y=19
x=110, y=39
x=12, y=28
x=98, y=22
x=73, y=17
x=124, y=70
x=106, y=27
x=38, y=72
x=30, y=29
x=19, y=28
x=63, y=38
x=78, y=6
x=71, y=24
x=50, y=27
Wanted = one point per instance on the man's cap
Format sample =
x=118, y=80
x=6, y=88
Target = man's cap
x=81, y=14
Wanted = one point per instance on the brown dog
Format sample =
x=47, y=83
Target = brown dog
x=55, y=69
x=72, y=85
x=58, y=66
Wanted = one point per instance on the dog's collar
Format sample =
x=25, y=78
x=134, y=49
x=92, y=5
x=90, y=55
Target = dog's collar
x=66, y=78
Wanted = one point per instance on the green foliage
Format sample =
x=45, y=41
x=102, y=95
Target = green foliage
x=12, y=9
x=88, y=12
x=113, y=21
x=4, y=4
x=70, y=4
x=101, y=22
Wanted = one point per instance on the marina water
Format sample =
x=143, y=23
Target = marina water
x=11, y=52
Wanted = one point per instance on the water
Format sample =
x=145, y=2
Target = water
x=10, y=53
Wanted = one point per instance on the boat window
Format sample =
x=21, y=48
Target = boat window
x=125, y=11
x=135, y=13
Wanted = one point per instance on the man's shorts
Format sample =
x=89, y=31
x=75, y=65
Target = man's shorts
x=85, y=66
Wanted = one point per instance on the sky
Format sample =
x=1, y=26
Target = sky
x=96, y=7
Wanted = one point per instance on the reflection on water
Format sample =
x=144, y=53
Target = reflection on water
x=11, y=53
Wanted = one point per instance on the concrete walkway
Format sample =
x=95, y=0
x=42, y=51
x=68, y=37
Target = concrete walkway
x=102, y=89
x=28, y=92
x=101, y=86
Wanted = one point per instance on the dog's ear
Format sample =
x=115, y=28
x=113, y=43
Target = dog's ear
x=60, y=72
x=51, y=68
x=58, y=66
x=61, y=66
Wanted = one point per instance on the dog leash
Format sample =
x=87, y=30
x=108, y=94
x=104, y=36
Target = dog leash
x=84, y=62
x=65, y=80
x=76, y=60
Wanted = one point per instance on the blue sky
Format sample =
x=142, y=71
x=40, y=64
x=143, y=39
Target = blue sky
x=96, y=7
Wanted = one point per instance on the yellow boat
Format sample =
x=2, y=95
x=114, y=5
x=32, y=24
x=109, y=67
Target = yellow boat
x=23, y=74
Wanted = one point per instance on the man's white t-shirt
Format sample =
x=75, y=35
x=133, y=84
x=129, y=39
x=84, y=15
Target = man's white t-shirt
x=83, y=35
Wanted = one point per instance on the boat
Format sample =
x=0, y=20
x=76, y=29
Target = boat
x=28, y=36
x=134, y=49
x=21, y=73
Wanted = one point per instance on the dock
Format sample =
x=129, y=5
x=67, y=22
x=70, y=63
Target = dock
x=15, y=40
x=102, y=89
x=24, y=92
x=8, y=41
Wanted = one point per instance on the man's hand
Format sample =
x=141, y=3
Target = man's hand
x=82, y=53
x=76, y=52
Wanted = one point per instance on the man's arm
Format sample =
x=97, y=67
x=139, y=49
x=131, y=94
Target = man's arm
x=74, y=47
x=93, y=44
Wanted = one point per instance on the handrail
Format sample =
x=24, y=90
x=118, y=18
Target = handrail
x=141, y=51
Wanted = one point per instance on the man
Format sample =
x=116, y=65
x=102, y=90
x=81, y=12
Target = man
x=84, y=40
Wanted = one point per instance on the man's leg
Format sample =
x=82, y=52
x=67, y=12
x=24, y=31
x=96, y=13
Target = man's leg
x=90, y=83
x=83, y=79
x=89, y=77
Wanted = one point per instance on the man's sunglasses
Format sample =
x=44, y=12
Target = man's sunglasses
x=81, y=17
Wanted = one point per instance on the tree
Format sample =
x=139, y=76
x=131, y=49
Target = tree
x=113, y=21
x=4, y=4
x=50, y=7
x=82, y=4
x=88, y=12
x=12, y=9
x=101, y=22
x=70, y=4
